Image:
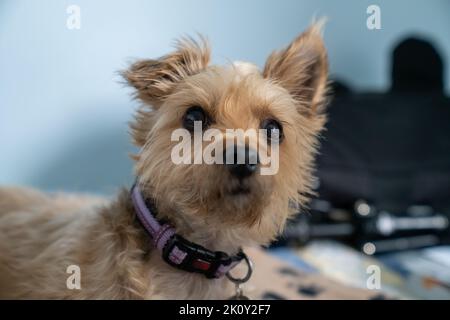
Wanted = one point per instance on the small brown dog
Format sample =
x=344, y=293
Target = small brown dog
x=220, y=207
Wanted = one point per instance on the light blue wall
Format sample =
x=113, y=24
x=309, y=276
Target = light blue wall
x=63, y=112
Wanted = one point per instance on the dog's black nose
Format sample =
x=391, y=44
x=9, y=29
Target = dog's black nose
x=241, y=161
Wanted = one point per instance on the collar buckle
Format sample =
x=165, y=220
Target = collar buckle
x=188, y=256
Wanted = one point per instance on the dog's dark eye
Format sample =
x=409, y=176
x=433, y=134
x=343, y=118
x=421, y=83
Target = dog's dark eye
x=193, y=114
x=274, y=130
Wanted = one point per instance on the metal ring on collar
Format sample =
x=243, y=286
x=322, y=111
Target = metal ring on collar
x=247, y=276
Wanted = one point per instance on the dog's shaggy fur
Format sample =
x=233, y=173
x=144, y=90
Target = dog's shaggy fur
x=42, y=234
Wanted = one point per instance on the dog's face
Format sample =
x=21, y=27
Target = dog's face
x=182, y=93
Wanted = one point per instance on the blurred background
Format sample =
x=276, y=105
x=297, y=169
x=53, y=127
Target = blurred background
x=384, y=169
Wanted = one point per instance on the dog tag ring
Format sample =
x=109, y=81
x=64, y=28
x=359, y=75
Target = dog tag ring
x=239, y=282
x=239, y=293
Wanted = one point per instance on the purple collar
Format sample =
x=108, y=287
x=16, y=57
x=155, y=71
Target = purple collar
x=176, y=250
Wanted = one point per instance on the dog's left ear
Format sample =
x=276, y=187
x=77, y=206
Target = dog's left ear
x=302, y=69
x=155, y=79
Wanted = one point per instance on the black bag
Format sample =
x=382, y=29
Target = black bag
x=391, y=149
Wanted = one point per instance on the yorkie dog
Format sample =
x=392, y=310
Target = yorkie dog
x=183, y=224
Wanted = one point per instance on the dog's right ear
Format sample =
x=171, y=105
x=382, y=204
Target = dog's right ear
x=155, y=79
x=302, y=69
